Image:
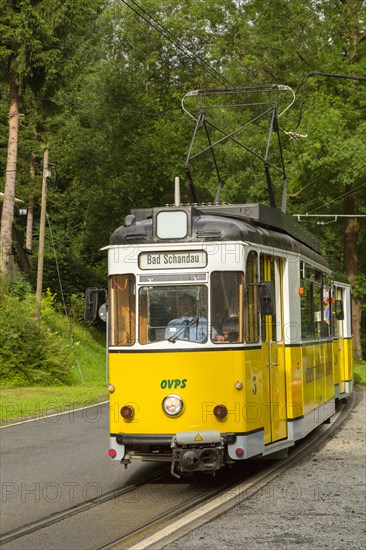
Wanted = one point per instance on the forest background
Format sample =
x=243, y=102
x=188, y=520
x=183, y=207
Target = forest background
x=98, y=83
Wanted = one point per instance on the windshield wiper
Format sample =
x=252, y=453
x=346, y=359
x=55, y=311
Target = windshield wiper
x=174, y=337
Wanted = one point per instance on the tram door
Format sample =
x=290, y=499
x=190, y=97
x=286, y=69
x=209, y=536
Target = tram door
x=273, y=349
x=340, y=355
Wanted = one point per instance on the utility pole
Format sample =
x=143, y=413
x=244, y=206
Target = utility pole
x=41, y=236
x=29, y=230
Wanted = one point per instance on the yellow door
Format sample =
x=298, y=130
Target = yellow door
x=274, y=351
x=340, y=342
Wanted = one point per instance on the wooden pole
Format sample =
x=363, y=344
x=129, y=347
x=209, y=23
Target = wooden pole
x=42, y=227
x=29, y=230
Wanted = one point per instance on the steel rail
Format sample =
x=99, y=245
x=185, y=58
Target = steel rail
x=34, y=526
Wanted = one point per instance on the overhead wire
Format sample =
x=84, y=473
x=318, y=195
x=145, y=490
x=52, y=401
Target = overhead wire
x=166, y=33
x=63, y=300
x=176, y=41
x=179, y=44
x=304, y=82
x=350, y=192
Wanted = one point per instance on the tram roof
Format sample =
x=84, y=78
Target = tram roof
x=253, y=223
x=266, y=216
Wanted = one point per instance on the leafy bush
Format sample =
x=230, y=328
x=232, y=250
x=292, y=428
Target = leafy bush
x=30, y=353
x=20, y=288
x=76, y=307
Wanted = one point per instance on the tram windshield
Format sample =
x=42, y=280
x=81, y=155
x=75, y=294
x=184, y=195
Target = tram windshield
x=180, y=312
x=173, y=313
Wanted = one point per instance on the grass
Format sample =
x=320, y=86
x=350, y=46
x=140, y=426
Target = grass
x=19, y=404
x=360, y=373
x=86, y=384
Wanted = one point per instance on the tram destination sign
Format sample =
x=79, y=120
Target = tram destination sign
x=173, y=259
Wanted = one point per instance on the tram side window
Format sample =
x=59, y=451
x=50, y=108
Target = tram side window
x=327, y=311
x=122, y=310
x=307, y=326
x=318, y=310
x=270, y=324
x=311, y=311
x=227, y=288
x=339, y=295
x=333, y=319
x=316, y=307
x=251, y=298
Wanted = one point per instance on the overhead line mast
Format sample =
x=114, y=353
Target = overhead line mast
x=334, y=216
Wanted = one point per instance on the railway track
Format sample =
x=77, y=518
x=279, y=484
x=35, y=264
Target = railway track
x=186, y=506
x=76, y=509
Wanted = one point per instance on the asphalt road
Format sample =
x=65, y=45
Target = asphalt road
x=50, y=464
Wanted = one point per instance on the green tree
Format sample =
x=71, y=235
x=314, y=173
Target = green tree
x=333, y=168
x=119, y=136
x=281, y=41
x=38, y=38
x=123, y=137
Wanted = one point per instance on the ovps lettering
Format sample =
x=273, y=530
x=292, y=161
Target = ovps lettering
x=169, y=384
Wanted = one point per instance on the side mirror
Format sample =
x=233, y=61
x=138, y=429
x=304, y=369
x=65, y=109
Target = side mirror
x=266, y=298
x=338, y=309
x=91, y=304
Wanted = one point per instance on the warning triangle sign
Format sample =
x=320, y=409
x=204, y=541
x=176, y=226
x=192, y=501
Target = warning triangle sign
x=198, y=438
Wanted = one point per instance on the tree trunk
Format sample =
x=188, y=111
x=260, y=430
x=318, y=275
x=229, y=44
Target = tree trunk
x=353, y=11
x=351, y=261
x=7, y=264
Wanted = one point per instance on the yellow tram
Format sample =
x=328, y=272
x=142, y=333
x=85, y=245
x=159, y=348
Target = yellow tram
x=229, y=336
x=267, y=352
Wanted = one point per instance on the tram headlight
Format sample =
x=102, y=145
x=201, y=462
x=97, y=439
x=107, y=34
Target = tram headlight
x=172, y=405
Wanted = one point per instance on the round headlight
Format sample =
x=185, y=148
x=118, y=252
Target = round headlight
x=172, y=405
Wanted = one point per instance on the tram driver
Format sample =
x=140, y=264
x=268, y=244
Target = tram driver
x=190, y=326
